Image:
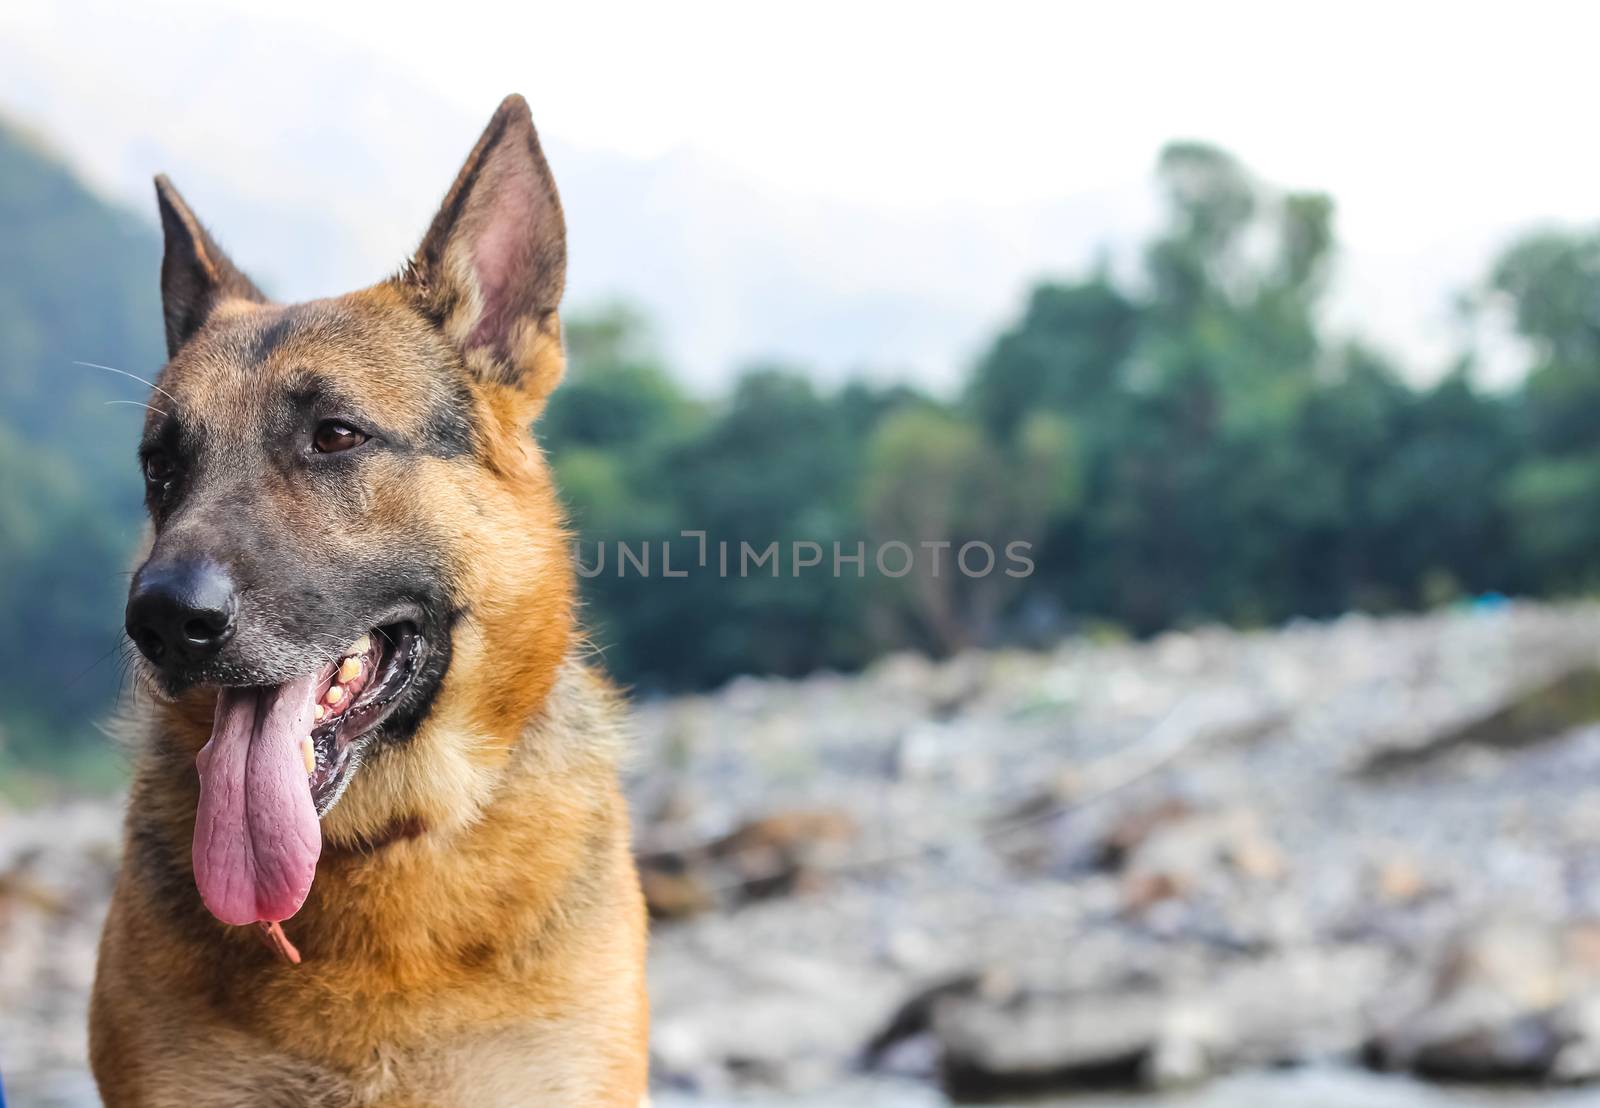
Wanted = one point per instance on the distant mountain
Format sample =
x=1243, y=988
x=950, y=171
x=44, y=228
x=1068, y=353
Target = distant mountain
x=78, y=283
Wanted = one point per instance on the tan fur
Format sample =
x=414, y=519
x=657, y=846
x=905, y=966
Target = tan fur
x=438, y=969
x=475, y=933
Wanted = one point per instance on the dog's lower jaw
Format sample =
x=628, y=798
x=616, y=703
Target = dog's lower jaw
x=431, y=781
x=451, y=761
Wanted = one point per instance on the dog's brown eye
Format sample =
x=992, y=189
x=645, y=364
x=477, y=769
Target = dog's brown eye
x=159, y=467
x=333, y=436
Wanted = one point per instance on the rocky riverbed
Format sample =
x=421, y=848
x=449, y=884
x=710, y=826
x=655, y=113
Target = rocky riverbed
x=1334, y=864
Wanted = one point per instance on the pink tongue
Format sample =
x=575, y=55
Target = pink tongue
x=256, y=835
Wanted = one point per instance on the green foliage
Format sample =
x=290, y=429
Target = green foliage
x=1555, y=511
x=1063, y=354
x=932, y=477
x=775, y=462
x=1552, y=282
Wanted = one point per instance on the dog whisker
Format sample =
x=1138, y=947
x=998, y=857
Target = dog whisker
x=96, y=663
x=132, y=376
x=137, y=404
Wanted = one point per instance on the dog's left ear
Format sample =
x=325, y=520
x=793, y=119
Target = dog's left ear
x=492, y=265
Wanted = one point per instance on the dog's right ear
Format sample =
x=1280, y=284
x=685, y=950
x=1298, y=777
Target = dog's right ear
x=492, y=266
x=196, y=275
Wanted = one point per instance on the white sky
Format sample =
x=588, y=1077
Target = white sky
x=1440, y=129
x=1410, y=113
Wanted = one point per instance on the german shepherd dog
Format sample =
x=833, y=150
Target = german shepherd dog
x=365, y=733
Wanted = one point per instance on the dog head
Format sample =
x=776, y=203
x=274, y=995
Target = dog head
x=352, y=526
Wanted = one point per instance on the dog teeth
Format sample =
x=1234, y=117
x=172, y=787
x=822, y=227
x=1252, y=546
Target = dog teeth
x=318, y=712
x=349, y=669
x=361, y=645
x=308, y=751
x=333, y=695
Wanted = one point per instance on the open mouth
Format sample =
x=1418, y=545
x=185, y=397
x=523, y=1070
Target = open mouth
x=278, y=758
x=354, y=694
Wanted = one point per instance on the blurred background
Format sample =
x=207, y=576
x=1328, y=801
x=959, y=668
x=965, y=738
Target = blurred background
x=1273, y=330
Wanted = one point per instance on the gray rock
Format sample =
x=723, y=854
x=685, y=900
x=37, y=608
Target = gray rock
x=1511, y=999
x=1042, y=1043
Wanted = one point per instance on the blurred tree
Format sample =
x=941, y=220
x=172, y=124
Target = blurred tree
x=1435, y=510
x=1063, y=355
x=618, y=396
x=1553, y=283
x=776, y=464
x=934, y=483
x=1551, y=280
x=1196, y=484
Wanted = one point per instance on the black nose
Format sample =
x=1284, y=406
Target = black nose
x=181, y=611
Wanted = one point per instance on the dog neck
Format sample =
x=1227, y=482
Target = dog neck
x=400, y=829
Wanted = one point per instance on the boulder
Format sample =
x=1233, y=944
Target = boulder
x=769, y=856
x=1510, y=1000
x=1037, y=1043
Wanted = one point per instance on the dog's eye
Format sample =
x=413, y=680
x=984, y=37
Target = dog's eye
x=159, y=467
x=333, y=436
